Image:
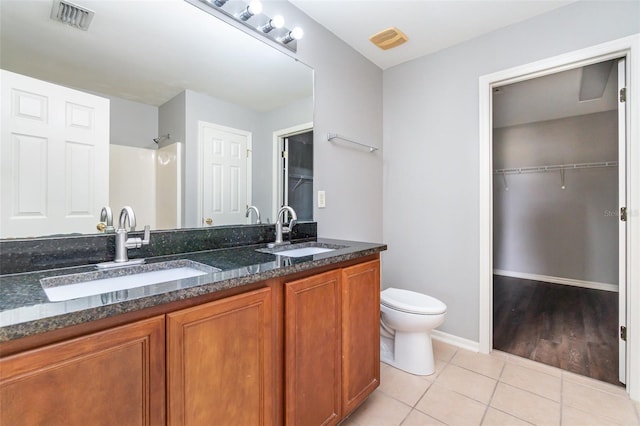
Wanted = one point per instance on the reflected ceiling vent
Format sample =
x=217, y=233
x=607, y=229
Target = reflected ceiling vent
x=71, y=14
x=389, y=38
x=593, y=80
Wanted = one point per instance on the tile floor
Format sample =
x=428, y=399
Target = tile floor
x=498, y=389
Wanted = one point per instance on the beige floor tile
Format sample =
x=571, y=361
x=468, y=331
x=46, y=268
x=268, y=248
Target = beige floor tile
x=538, y=366
x=450, y=407
x=380, y=410
x=443, y=351
x=593, y=383
x=617, y=408
x=416, y=418
x=467, y=383
x=526, y=405
x=495, y=417
x=574, y=417
x=480, y=363
x=532, y=380
x=401, y=385
x=499, y=354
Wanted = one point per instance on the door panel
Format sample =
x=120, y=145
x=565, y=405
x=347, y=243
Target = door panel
x=225, y=174
x=622, y=226
x=54, y=158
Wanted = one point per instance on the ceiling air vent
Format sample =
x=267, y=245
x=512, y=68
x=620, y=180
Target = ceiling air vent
x=386, y=39
x=71, y=14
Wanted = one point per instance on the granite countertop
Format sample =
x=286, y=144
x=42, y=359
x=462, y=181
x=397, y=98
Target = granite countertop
x=25, y=309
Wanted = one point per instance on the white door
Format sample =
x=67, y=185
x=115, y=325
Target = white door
x=225, y=174
x=622, y=225
x=54, y=158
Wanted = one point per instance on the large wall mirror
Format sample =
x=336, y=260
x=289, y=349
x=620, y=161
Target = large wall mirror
x=196, y=113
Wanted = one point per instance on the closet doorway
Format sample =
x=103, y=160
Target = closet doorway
x=558, y=181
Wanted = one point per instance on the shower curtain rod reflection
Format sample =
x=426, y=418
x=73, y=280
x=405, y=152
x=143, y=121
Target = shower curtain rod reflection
x=331, y=136
x=555, y=168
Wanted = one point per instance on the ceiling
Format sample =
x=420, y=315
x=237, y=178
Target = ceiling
x=431, y=25
x=557, y=96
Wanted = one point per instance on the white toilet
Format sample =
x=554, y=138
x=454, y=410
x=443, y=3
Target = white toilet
x=406, y=321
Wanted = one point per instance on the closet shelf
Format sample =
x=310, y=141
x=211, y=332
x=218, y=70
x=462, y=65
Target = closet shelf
x=555, y=168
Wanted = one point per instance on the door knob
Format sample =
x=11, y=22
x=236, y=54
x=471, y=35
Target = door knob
x=208, y=221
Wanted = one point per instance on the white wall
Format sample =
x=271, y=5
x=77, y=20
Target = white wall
x=431, y=193
x=133, y=186
x=542, y=229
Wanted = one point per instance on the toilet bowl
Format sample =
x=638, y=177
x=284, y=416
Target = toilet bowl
x=406, y=321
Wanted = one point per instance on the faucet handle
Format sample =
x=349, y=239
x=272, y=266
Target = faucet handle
x=147, y=236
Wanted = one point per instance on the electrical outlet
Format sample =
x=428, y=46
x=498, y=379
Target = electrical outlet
x=321, y=200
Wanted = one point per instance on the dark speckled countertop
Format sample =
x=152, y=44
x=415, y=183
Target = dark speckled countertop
x=25, y=309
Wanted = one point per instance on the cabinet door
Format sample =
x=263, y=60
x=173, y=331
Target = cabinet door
x=115, y=377
x=312, y=350
x=219, y=361
x=360, y=333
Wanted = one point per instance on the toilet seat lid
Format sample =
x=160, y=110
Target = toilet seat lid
x=411, y=302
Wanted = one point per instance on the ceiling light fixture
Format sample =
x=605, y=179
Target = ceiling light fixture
x=251, y=16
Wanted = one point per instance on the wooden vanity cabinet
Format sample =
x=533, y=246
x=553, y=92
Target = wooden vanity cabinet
x=332, y=343
x=303, y=352
x=219, y=362
x=312, y=351
x=113, y=377
x=360, y=333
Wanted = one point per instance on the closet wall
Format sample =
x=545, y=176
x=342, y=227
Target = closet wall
x=542, y=229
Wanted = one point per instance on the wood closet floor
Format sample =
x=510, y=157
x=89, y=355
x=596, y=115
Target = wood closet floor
x=572, y=328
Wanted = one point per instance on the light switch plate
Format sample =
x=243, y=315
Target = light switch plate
x=321, y=200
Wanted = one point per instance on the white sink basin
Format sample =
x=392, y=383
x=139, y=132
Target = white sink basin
x=301, y=249
x=67, y=287
x=305, y=251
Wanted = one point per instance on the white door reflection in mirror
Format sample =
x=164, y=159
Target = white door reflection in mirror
x=225, y=180
x=54, y=157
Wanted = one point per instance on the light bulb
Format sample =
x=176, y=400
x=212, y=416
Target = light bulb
x=254, y=8
x=275, y=22
x=294, y=34
x=297, y=33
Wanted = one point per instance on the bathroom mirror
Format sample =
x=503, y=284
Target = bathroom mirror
x=166, y=67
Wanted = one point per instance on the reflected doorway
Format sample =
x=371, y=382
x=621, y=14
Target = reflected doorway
x=294, y=157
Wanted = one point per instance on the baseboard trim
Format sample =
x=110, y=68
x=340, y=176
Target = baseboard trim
x=460, y=342
x=558, y=280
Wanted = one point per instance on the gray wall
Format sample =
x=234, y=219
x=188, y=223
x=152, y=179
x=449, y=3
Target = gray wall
x=431, y=193
x=540, y=228
x=207, y=108
x=132, y=123
x=297, y=113
x=348, y=100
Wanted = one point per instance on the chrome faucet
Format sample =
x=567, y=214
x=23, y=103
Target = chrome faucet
x=256, y=211
x=106, y=216
x=281, y=229
x=123, y=243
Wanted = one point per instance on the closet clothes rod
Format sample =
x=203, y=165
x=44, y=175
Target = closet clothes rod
x=331, y=136
x=555, y=168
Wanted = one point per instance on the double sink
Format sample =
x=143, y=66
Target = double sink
x=73, y=286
